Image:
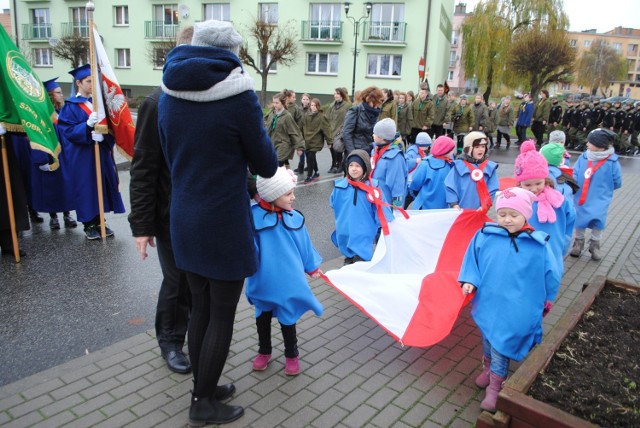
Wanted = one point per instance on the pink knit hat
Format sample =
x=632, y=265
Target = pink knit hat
x=517, y=199
x=442, y=145
x=529, y=163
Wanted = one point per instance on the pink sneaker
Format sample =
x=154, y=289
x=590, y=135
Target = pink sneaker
x=261, y=362
x=292, y=366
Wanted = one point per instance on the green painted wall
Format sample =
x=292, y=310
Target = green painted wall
x=142, y=76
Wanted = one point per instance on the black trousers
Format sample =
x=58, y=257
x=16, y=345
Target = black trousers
x=213, y=312
x=312, y=163
x=436, y=131
x=336, y=158
x=263, y=324
x=538, y=131
x=499, y=138
x=174, y=301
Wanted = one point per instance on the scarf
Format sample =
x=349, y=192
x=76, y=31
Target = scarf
x=591, y=169
x=235, y=83
x=477, y=175
x=374, y=195
x=377, y=154
x=548, y=200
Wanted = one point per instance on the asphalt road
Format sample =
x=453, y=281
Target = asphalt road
x=71, y=296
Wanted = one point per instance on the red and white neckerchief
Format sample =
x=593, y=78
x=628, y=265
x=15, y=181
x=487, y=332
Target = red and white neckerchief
x=477, y=175
x=377, y=154
x=374, y=195
x=422, y=155
x=588, y=173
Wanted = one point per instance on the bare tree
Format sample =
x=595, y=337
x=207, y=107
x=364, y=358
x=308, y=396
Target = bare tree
x=156, y=52
x=74, y=49
x=599, y=65
x=538, y=58
x=277, y=44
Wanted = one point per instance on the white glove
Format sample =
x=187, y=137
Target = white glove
x=97, y=137
x=44, y=167
x=93, y=119
x=3, y=130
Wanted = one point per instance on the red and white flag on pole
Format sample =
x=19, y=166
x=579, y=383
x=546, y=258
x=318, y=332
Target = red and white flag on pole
x=118, y=116
x=410, y=287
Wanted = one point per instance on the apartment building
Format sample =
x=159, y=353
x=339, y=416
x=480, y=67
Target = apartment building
x=624, y=40
x=392, y=36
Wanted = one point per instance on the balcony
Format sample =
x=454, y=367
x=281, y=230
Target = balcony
x=385, y=33
x=77, y=29
x=160, y=30
x=321, y=32
x=35, y=32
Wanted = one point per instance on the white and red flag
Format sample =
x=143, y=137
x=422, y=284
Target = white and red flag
x=118, y=116
x=410, y=287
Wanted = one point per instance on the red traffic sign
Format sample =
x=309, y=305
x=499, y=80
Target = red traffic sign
x=421, y=68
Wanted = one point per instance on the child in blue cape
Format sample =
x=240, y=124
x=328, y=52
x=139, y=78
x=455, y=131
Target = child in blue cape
x=473, y=181
x=387, y=163
x=414, y=155
x=515, y=278
x=356, y=216
x=279, y=287
x=552, y=212
x=559, y=169
x=598, y=173
x=427, y=185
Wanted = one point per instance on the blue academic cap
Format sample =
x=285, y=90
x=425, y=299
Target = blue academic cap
x=51, y=84
x=81, y=72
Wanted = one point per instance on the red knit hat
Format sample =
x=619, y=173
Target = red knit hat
x=529, y=163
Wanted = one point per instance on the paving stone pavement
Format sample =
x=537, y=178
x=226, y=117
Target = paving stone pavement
x=353, y=373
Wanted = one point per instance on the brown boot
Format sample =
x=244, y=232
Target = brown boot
x=578, y=245
x=483, y=378
x=594, y=249
x=492, y=391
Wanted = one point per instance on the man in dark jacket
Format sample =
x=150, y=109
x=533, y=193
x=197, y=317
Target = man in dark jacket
x=150, y=190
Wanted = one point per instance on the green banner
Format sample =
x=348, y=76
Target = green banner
x=24, y=104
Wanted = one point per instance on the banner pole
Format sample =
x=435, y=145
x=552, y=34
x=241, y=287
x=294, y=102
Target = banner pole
x=94, y=91
x=7, y=185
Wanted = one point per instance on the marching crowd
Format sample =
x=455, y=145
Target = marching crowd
x=217, y=225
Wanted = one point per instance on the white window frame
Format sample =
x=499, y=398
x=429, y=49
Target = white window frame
x=386, y=21
x=378, y=64
x=587, y=43
x=453, y=58
x=617, y=46
x=121, y=16
x=41, y=23
x=268, y=12
x=217, y=11
x=80, y=21
x=450, y=75
x=324, y=21
x=331, y=61
x=573, y=43
x=123, y=58
x=42, y=57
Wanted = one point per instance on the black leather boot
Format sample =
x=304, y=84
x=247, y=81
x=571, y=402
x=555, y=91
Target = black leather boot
x=205, y=410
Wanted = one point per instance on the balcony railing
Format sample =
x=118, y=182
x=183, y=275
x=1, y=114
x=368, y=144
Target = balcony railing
x=160, y=30
x=36, y=31
x=391, y=32
x=322, y=30
x=78, y=28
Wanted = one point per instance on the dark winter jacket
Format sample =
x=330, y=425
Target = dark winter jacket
x=150, y=186
x=211, y=129
x=315, y=130
x=542, y=110
x=357, y=132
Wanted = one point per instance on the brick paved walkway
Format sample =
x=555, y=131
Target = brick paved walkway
x=353, y=373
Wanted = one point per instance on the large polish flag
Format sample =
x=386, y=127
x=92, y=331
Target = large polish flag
x=117, y=115
x=410, y=287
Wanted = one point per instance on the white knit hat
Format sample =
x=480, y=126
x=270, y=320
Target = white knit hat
x=272, y=188
x=219, y=34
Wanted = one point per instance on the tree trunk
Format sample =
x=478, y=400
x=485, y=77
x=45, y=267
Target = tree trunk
x=263, y=89
x=487, y=92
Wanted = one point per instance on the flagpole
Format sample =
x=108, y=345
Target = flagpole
x=94, y=91
x=7, y=185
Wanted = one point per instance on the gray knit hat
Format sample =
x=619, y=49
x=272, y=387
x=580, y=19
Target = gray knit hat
x=219, y=34
x=557, y=137
x=423, y=139
x=385, y=129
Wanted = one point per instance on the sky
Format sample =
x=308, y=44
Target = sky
x=583, y=14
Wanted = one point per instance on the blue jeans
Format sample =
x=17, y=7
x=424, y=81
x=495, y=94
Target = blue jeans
x=499, y=363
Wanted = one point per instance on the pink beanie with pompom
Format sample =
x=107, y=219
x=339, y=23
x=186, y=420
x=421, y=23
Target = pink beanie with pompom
x=529, y=163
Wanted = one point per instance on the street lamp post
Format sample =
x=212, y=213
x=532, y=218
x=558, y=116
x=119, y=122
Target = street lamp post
x=356, y=27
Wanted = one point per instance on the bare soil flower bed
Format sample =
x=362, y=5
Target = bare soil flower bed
x=595, y=374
